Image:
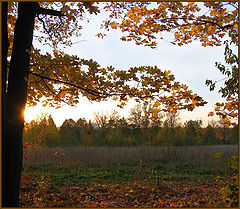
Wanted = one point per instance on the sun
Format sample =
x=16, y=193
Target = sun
x=32, y=113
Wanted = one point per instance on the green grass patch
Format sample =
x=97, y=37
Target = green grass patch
x=85, y=174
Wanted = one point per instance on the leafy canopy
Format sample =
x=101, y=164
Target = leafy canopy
x=64, y=78
x=145, y=22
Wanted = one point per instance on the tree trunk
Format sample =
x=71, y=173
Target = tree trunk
x=16, y=101
x=5, y=45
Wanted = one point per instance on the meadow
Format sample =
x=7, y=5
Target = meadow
x=142, y=176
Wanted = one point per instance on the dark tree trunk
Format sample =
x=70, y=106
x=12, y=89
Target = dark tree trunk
x=16, y=101
x=5, y=45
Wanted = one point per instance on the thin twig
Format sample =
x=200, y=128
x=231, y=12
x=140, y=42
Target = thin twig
x=56, y=94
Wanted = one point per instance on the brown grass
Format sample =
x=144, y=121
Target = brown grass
x=194, y=156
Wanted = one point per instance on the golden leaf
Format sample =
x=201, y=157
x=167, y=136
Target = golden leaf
x=123, y=38
x=226, y=120
x=115, y=98
x=55, y=51
x=62, y=93
x=210, y=114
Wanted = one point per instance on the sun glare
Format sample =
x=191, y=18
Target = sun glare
x=32, y=113
x=38, y=111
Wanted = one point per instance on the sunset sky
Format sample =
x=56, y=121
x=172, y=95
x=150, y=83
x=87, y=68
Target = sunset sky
x=191, y=64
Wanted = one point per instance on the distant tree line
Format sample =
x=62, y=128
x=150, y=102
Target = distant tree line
x=138, y=129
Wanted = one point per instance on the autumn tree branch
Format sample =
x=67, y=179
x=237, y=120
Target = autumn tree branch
x=217, y=24
x=198, y=22
x=95, y=93
x=44, y=27
x=44, y=11
x=90, y=91
x=55, y=94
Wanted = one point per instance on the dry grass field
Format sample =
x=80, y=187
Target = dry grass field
x=195, y=156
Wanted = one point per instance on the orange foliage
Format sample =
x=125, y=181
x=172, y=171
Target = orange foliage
x=144, y=22
x=228, y=111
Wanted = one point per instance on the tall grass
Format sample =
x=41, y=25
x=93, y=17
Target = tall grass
x=190, y=156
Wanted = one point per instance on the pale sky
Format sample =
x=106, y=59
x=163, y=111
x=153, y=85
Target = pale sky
x=191, y=64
